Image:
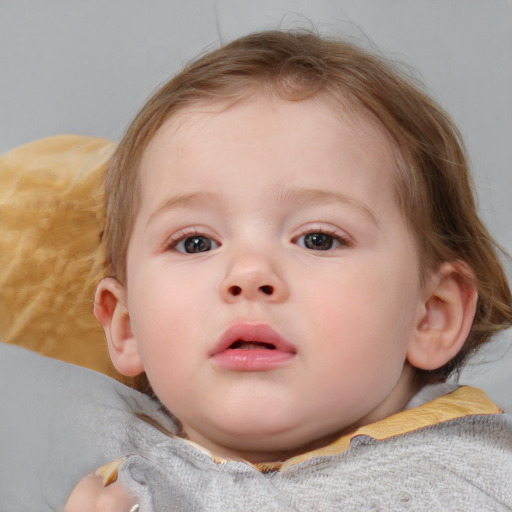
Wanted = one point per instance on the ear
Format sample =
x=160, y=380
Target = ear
x=111, y=311
x=445, y=317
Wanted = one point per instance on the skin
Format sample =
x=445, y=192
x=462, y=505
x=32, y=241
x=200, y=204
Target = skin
x=270, y=174
x=91, y=496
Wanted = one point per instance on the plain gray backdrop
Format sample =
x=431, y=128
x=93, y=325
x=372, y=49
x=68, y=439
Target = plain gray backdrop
x=86, y=66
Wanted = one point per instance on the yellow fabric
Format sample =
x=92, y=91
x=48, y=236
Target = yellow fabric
x=464, y=401
x=109, y=472
x=51, y=217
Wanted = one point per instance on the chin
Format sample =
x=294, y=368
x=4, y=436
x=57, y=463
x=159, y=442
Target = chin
x=264, y=439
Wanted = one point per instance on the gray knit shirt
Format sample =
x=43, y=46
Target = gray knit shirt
x=463, y=463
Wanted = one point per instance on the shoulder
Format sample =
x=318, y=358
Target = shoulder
x=465, y=461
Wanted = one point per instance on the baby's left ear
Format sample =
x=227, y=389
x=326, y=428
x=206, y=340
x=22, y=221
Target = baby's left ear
x=445, y=317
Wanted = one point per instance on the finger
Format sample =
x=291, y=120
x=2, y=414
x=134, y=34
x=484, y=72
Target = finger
x=83, y=497
x=91, y=496
x=115, y=498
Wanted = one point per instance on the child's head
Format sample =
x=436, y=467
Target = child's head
x=344, y=186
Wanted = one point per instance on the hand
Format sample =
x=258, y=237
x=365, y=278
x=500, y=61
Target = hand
x=91, y=496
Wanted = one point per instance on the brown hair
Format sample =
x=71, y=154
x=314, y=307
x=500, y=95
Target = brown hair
x=433, y=184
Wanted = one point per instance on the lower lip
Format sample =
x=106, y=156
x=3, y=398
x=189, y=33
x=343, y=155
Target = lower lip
x=252, y=359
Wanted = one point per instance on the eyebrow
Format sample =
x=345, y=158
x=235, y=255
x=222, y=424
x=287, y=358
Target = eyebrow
x=181, y=201
x=310, y=196
x=290, y=195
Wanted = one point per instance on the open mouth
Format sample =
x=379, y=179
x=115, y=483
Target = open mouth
x=251, y=345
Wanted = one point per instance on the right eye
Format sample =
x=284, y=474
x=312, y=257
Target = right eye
x=195, y=244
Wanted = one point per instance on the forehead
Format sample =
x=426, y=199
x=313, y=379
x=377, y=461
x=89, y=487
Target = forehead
x=194, y=131
x=265, y=143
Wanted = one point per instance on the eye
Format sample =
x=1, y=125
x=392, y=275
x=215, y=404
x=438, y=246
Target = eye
x=195, y=244
x=320, y=241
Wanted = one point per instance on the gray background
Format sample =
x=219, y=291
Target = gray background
x=86, y=66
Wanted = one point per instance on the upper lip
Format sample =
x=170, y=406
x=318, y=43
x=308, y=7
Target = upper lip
x=259, y=333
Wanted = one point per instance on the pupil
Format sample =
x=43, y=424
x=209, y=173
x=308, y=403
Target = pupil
x=197, y=244
x=318, y=241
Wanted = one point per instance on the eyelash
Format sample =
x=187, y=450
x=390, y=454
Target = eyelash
x=342, y=240
x=183, y=235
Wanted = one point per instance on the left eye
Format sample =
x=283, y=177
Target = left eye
x=196, y=244
x=319, y=241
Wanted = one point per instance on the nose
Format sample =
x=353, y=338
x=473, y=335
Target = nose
x=253, y=277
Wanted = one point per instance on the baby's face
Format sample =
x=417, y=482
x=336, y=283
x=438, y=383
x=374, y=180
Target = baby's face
x=273, y=286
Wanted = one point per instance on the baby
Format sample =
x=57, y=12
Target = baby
x=296, y=265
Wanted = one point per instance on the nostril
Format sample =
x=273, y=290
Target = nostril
x=267, y=289
x=235, y=290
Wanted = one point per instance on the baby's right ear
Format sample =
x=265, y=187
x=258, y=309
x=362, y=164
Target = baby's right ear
x=111, y=311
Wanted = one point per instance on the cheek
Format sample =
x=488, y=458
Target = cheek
x=362, y=337
x=170, y=312
x=157, y=319
x=367, y=314
x=160, y=297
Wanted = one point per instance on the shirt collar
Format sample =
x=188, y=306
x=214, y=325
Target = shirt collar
x=464, y=401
